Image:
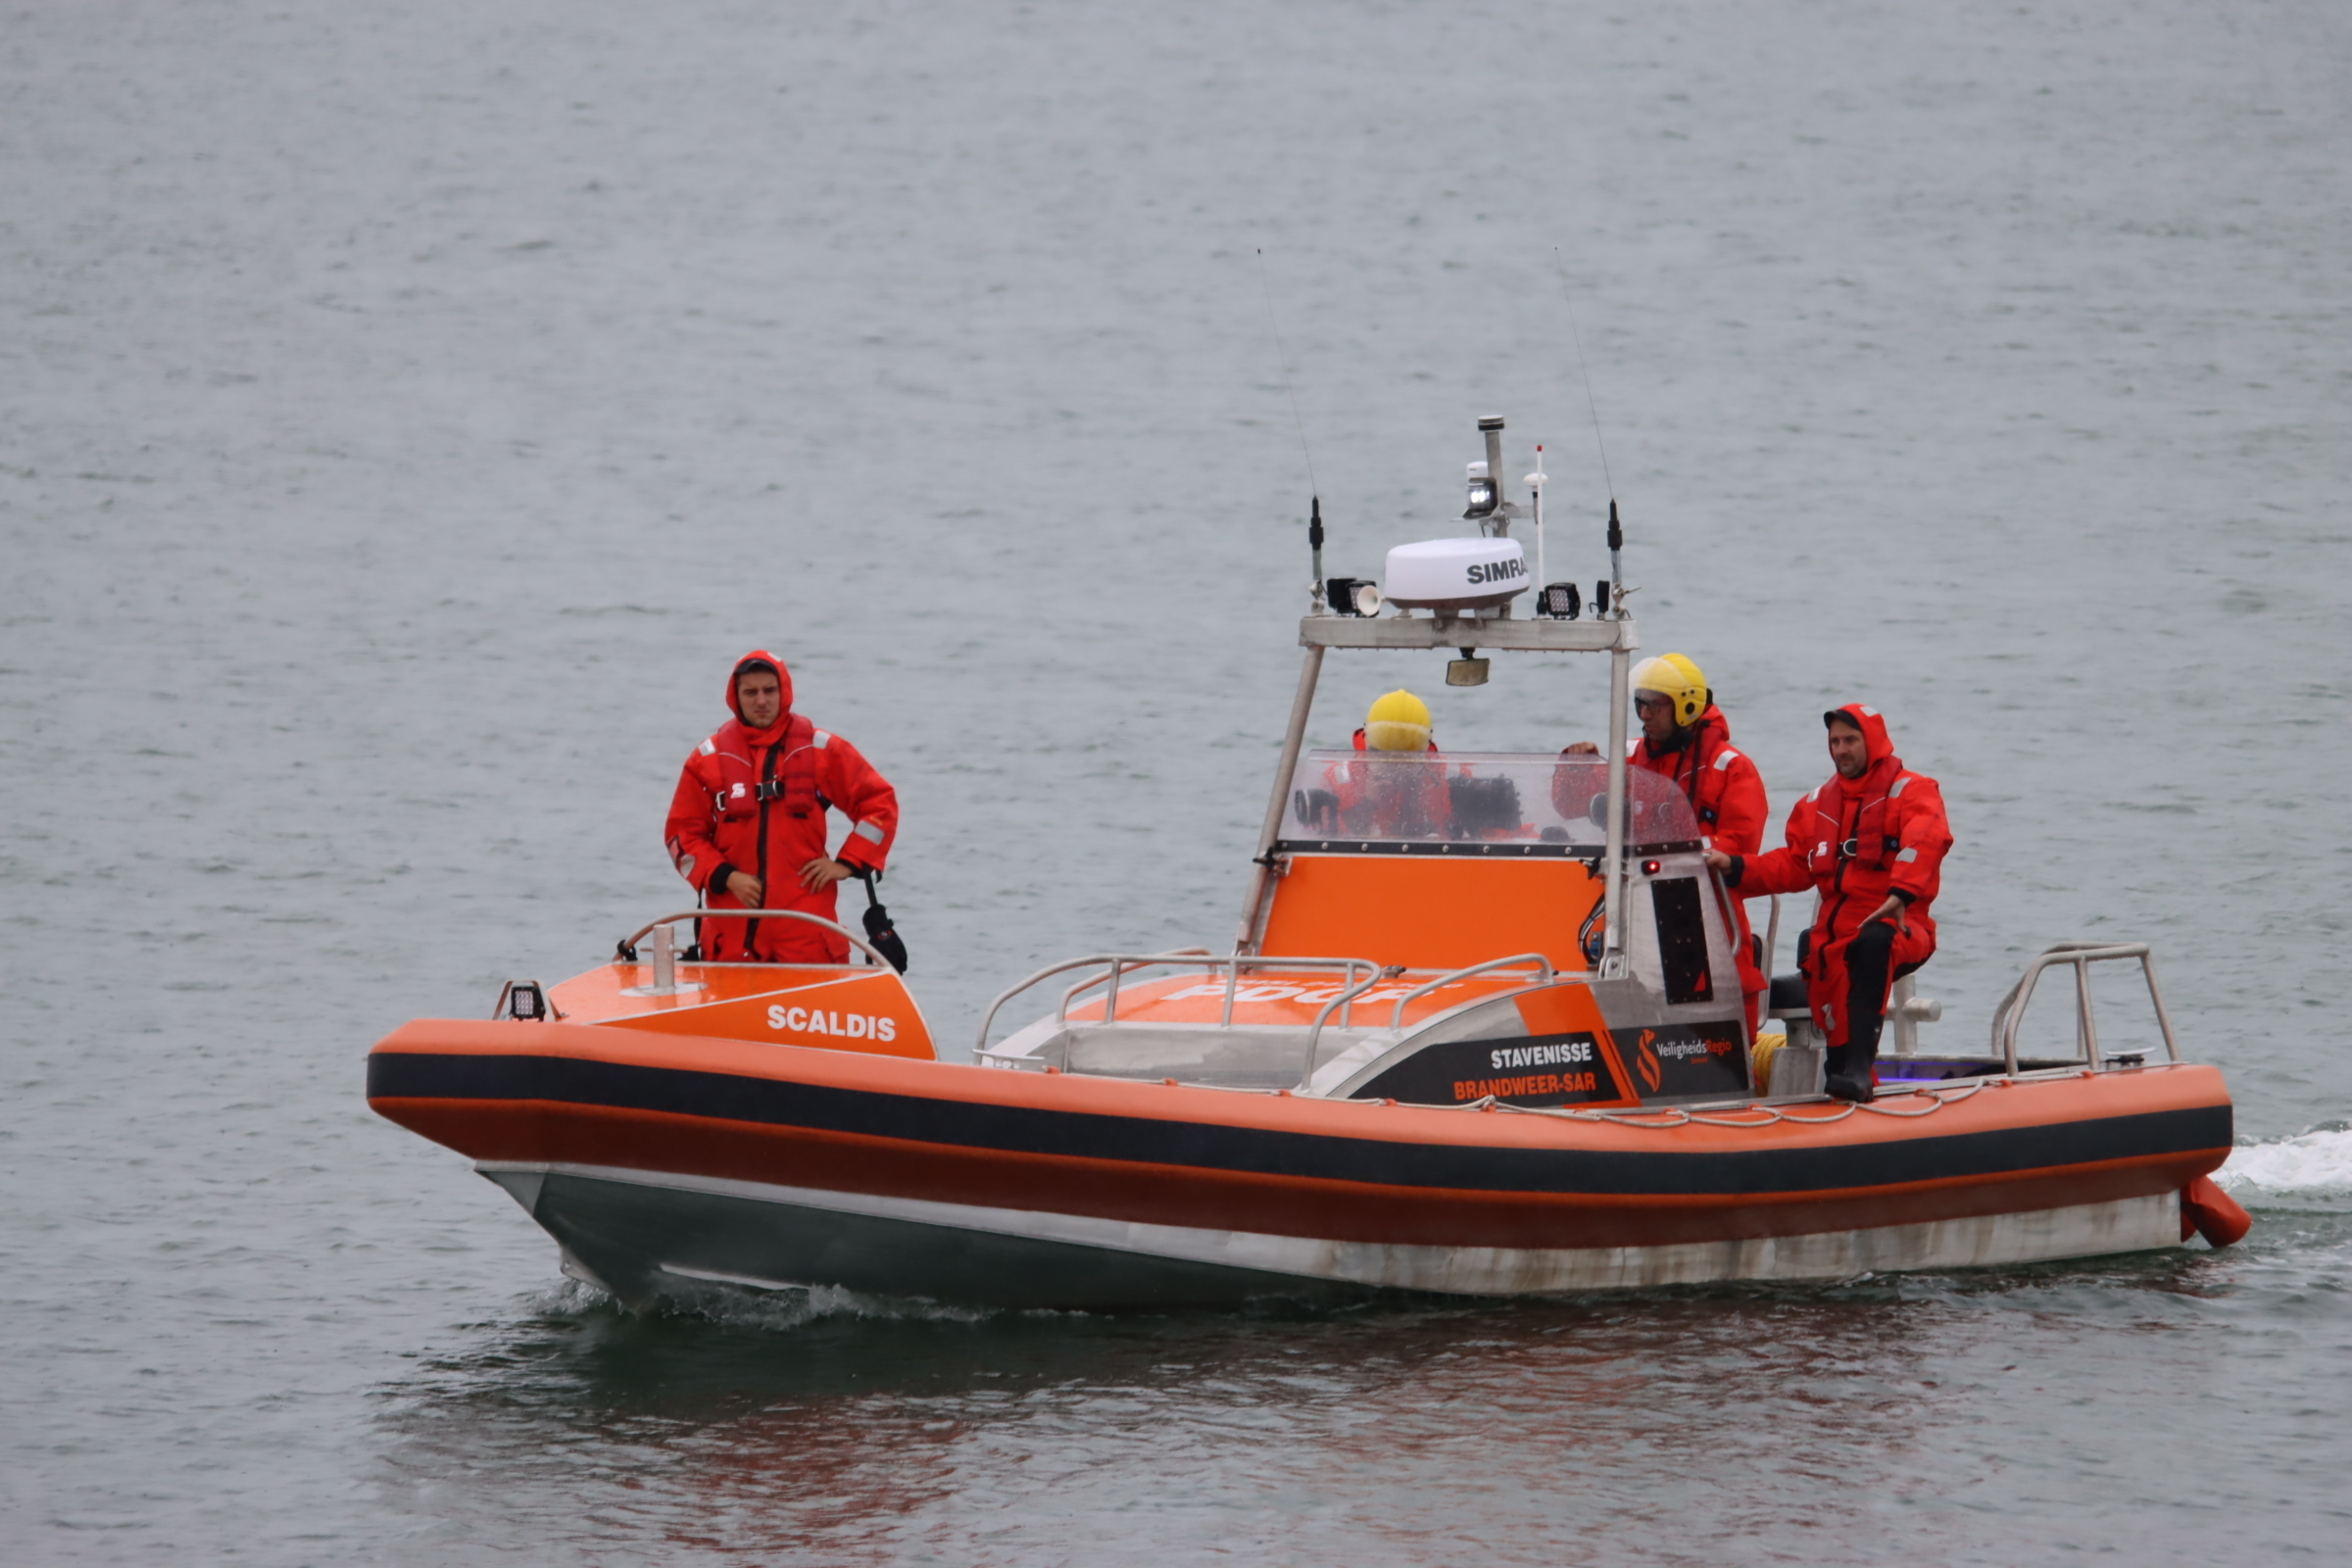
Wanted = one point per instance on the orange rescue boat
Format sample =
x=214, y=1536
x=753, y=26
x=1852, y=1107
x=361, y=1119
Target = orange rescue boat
x=1480, y=1033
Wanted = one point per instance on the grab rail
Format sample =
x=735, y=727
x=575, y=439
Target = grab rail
x=2011, y=1013
x=627, y=950
x=1314, y=1036
x=1346, y=1002
x=1542, y=964
x=1118, y=965
x=1111, y=1001
x=1125, y=962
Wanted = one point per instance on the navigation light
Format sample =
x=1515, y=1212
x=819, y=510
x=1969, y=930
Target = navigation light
x=1484, y=496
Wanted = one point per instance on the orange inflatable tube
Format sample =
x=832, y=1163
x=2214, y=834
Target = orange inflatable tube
x=2212, y=1213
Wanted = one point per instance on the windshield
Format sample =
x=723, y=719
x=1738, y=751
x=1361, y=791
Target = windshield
x=1436, y=796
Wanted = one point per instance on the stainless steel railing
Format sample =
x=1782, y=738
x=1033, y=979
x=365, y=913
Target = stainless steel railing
x=627, y=950
x=2080, y=955
x=1344, y=1002
x=1314, y=1036
x=1543, y=968
x=1119, y=964
x=1116, y=965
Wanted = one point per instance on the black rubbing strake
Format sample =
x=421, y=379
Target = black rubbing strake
x=1090, y=1135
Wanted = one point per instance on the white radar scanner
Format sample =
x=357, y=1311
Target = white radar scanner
x=1455, y=573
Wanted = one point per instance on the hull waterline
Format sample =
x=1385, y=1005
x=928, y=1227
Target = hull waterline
x=643, y=1238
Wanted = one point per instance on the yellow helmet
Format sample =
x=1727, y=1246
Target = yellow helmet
x=1398, y=722
x=1673, y=676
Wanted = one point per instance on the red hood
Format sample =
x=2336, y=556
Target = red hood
x=753, y=660
x=1876, y=744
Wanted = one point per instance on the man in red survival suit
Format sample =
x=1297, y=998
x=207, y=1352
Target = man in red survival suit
x=1686, y=740
x=1872, y=840
x=747, y=827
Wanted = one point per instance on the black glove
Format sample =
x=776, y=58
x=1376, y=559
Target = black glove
x=878, y=929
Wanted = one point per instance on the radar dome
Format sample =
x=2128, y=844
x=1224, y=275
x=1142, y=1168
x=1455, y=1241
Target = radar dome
x=1455, y=573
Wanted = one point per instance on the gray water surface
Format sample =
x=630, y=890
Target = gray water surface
x=406, y=415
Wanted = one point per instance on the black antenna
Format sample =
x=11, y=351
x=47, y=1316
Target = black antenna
x=1314, y=523
x=1616, y=529
x=1314, y=537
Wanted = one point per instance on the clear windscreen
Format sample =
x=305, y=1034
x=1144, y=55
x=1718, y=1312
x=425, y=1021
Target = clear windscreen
x=1438, y=797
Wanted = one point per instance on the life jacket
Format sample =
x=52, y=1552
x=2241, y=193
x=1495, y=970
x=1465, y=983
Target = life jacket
x=786, y=777
x=1701, y=766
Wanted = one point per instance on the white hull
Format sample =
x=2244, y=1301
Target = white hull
x=635, y=1232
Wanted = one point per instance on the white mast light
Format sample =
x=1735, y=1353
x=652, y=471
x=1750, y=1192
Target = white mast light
x=1484, y=498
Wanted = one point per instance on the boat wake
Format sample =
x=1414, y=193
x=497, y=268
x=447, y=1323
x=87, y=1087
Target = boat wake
x=2313, y=1168
x=738, y=1306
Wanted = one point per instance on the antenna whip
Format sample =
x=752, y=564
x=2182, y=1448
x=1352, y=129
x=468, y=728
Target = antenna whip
x=1283, y=354
x=1314, y=490
x=1616, y=529
x=1567, y=301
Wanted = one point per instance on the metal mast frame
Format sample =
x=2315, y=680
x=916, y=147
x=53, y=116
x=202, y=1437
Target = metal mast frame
x=1318, y=634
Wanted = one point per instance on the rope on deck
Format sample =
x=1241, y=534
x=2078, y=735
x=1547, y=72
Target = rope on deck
x=1751, y=1116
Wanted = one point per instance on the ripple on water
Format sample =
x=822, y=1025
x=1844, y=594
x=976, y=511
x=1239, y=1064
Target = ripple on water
x=1661, y=1427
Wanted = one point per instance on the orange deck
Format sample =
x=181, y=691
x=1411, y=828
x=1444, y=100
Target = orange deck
x=831, y=1006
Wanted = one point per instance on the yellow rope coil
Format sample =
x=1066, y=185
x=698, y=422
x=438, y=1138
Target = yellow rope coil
x=1759, y=1058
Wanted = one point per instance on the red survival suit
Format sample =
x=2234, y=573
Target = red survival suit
x=1857, y=840
x=1726, y=793
x=1410, y=803
x=753, y=801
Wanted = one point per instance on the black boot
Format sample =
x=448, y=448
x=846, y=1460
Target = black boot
x=1866, y=961
x=1852, y=1078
